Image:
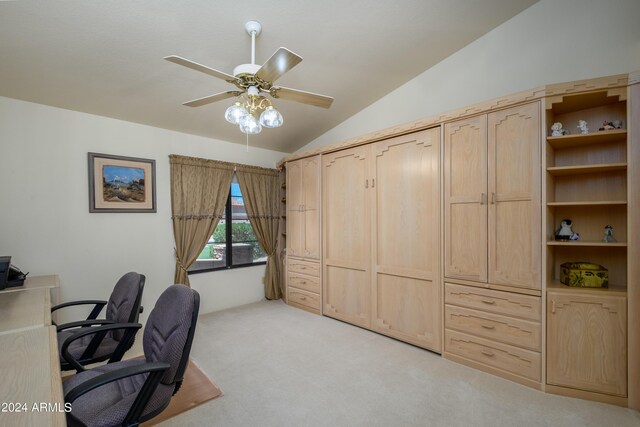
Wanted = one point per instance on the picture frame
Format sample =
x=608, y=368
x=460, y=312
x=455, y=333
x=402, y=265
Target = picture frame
x=121, y=184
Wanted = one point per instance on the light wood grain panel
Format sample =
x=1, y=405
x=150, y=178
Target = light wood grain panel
x=633, y=251
x=307, y=283
x=302, y=297
x=514, y=250
x=614, y=151
x=587, y=342
x=511, y=359
x=346, y=238
x=294, y=186
x=514, y=212
x=500, y=302
x=295, y=224
x=346, y=294
x=406, y=243
x=465, y=198
x=591, y=187
x=311, y=234
x=505, y=329
x=346, y=231
x=407, y=201
x=303, y=208
x=26, y=372
x=309, y=268
x=311, y=183
x=24, y=309
x=408, y=309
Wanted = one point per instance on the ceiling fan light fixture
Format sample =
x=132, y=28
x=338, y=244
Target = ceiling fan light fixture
x=236, y=113
x=250, y=125
x=271, y=117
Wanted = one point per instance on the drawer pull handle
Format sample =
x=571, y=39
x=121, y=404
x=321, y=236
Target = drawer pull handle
x=488, y=353
x=488, y=301
x=303, y=298
x=304, y=282
x=488, y=326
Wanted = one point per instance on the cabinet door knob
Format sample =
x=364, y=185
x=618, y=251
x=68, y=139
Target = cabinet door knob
x=366, y=183
x=488, y=301
x=493, y=198
x=553, y=306
x=488, y=326
x=483, y=198
x=488, y=353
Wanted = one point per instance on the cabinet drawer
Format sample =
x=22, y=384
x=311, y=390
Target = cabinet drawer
x=500, y=302
x=304, y=267
x=305, y=298
x=509, y=330
x=511, y=359
x=308, y=283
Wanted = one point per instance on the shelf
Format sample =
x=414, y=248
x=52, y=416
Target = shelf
x=612, y=290
x=586, y=243
x=584, y=169
x=597, y=137
x=594, y=203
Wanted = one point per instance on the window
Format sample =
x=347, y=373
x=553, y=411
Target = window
x=234, y=246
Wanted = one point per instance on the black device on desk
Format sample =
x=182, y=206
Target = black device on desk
x=10, y=275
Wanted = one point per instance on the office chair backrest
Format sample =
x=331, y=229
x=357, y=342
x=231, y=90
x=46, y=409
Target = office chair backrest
x=124, y=303
x=169, y=331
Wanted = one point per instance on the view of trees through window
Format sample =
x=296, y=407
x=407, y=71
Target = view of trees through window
x=235, y=246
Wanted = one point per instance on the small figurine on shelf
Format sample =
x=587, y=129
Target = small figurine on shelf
x=607, y=126
x=617, y=124
x=565, y=232
x=582, y=125
x=608, y=235
x=556, y=129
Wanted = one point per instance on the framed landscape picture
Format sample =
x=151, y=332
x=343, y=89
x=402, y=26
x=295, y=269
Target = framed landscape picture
x=121, y=184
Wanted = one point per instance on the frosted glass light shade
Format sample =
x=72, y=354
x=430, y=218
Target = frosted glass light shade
x=271, y=118
x=250, y=125
x=235, y=113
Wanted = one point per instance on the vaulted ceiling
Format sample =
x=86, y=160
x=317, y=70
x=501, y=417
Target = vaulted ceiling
x=106, y=57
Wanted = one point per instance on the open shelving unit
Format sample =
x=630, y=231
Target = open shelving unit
x=586, y=182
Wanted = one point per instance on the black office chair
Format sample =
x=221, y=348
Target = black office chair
x=129, y=392
x=77, y=350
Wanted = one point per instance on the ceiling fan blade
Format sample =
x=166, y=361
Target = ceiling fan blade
x=202, y=68
x=301, y=96
x=213, y=98
x=279, y=63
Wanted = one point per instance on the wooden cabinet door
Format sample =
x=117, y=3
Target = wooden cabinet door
x=347, y=235
x=465, y=199
x=406, y=245
x=311, y=207
x=514, y=233
x=586, y=342
x=303, y=208
x=294, y=209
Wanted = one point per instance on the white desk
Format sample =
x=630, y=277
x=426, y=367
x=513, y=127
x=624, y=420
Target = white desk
x=29, y=361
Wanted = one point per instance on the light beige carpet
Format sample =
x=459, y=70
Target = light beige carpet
x=196, y=389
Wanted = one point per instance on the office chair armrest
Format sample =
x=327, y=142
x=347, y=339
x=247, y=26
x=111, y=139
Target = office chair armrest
x=83, y=324
x=155, y=369
x=99, y=304
x=100, y=332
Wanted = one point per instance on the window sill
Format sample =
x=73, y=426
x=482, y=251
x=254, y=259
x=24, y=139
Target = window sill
x=233, y=267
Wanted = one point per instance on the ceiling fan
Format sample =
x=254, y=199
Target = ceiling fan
x=252, y=81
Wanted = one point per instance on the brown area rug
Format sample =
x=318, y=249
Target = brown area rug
x=196, y=389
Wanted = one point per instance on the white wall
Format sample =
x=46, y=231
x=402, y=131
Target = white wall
x=45, y=224
x=551, y=42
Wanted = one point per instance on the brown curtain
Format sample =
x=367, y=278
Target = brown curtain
x=260, y=189
x=199, y=191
